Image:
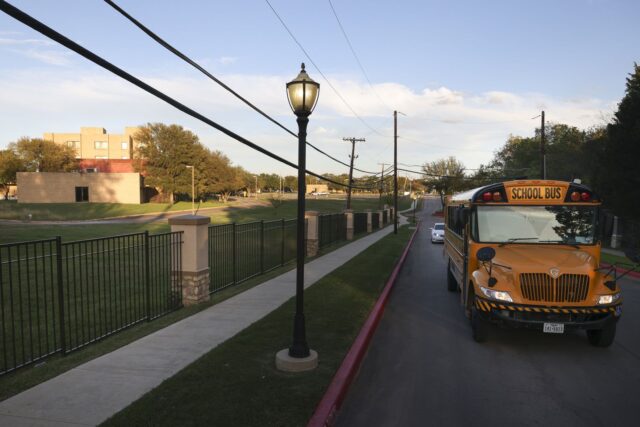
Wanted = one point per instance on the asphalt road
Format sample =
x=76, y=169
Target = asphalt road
x=424, y=369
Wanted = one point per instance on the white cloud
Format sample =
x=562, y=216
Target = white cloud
x=38, y=49
x=227, y=60
x=439, y=122
x=22, y=42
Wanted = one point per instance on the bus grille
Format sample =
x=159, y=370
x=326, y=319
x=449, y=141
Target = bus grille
x=566, y=288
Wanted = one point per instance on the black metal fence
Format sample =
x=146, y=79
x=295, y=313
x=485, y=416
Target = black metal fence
x=58, y=297
x=627, y=229
x=238, y=252
x=359, y=222
x=385, y=219
x=375, y=221
x=332, y=228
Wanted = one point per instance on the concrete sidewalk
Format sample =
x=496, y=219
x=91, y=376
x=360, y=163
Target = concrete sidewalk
x=92, y=392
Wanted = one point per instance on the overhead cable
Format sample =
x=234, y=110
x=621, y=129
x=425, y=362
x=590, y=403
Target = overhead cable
x=344, y=101
x=70, y=44
x=353, y=51
x=191, y=62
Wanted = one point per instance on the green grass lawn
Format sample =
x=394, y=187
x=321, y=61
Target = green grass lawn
x=237, y=383
x=612, y=259
x=272, y=210
x=11, y=209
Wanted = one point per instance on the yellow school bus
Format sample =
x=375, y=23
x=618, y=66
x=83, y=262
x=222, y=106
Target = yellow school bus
x=526, y=254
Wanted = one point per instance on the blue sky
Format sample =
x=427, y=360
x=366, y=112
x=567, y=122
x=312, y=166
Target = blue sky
x=466, y=74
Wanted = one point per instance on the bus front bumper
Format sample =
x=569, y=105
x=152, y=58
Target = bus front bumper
x=535, y=316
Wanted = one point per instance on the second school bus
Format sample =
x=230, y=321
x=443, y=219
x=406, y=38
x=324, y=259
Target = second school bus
x=526, y=253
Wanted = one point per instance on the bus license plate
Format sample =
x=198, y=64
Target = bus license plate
x=553, y=328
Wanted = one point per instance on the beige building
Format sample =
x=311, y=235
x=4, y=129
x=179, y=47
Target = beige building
x=95, y=143
x=69, y=187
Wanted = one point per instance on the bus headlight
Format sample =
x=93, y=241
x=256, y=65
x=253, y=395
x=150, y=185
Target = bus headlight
x=608, y=299
x=496, y=295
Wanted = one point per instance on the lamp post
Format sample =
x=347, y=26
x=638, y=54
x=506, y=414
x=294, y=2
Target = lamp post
x=193, y=190
x=256, y=177
x=415, y=203
x=302, y=93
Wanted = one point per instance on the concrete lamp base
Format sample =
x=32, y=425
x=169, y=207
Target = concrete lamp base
x=286, y=363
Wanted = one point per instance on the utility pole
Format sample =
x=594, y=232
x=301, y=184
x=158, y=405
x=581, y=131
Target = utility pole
x=395, y=172
x=381, y=190
x=543, y=153
x=353, y=157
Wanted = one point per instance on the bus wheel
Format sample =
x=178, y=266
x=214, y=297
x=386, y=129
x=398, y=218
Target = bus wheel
x=479, y=326
x=452, y=285
x=603, y=337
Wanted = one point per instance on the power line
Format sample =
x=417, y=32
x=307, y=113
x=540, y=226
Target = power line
x=70, y=44
x=344, y=101
x=353, y=51
x=188, y=60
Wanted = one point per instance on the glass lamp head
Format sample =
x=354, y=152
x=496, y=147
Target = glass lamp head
x=302, y=93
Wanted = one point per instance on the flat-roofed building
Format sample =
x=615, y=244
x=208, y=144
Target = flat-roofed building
x=98, y=150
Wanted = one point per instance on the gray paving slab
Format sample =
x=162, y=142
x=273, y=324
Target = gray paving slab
x=92, y=392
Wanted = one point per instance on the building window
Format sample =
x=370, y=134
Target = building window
x=124, y=145
x=82, y=194
x=101, y=145
x=73, y=144
x=102, y=157
x=125, y=157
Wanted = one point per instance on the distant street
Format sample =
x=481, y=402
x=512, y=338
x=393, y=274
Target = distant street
x=424, y=369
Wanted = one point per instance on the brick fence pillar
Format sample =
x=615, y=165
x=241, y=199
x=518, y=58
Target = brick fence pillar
x=348, y=213
x=313, y=237
x=195, y=257
x=369, y=221
x=380, y=220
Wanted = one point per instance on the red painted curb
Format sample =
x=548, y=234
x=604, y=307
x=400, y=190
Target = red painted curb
x=634, y=274
x=327, y=408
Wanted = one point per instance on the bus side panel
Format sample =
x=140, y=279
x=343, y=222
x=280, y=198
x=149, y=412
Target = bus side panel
x=454, y=250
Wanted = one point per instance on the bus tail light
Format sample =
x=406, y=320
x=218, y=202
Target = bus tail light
x=575, y=196
x=585, y=196
x=497, y=197
x=487, y=197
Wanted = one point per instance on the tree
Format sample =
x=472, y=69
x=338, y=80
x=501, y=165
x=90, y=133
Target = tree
x=444, y=176
x=620, y=178
x=290, y=183
x=10, y=165
x=161, y=156
x=39, y=155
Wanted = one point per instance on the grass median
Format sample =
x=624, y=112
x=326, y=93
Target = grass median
x=237, y=382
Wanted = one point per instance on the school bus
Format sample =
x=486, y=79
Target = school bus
x=526, y=254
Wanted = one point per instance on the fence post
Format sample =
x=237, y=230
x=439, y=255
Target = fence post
x=262, y=246
x=63, y=338
x=147, y=275
x=615, y=237
x=369, y=225
x=349, y=220
x=380, y=220
x=313, y=242
x=282, y=247
x=195, y=259
x=235, y=250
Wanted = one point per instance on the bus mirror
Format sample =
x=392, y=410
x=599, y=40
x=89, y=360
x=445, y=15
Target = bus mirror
x=485, y=254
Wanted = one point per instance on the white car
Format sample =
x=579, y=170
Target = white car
x=437, y=232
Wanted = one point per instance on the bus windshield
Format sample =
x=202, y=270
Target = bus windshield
x=571, y=225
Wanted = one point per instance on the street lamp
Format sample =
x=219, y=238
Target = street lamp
x=193, y=190
x=302, y=93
